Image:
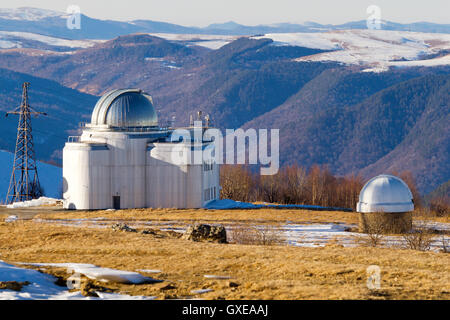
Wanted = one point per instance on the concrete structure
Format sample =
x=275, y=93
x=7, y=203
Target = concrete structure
x=123, y=159
x=385, y=203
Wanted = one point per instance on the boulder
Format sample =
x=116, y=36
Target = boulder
x=205, y=232
x=122, y=227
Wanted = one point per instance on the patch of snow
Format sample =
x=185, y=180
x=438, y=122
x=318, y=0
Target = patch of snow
x=318, y=235
x=211, y=44
x=4, y=44
x=441, y=226
x=209, y=41
x=29, y=14
x=112, y=275
x=155, y=59
x=11, y=219
x=201, y=291
x=164, y=62
x=50, y=176
x=211, y=276
x=439, y=61
x=9, y=40
x=34, y=203
x=117, y=296
x=149, y=271
x=100, y=274
x=42, y=287
x=377, y=69
x=315, y=235
x=307, y=40
x=172, y=67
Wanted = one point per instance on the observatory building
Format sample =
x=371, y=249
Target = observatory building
x=385, y=201
x=124, y=159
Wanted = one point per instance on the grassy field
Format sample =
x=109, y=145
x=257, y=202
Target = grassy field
x=216, y=216
x=259, y=271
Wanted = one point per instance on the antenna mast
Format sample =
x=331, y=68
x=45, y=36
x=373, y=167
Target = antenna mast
x=24, y=184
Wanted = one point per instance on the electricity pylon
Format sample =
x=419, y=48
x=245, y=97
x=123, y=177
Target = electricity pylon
x=24, y=184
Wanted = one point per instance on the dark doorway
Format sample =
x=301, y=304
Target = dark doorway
x=116, y=202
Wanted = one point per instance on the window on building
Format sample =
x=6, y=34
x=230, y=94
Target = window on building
x=210, y=193
x=208, y=166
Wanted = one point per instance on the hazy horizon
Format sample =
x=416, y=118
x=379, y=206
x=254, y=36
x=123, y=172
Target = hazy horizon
x=201, y=13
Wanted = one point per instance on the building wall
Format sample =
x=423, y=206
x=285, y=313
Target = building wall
x=128, y=171
x=143, y=174
x=173, y=182
x=86, y=176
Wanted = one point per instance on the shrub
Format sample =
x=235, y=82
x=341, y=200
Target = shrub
x=260, y=235
x=374, y=230
x=420, y=238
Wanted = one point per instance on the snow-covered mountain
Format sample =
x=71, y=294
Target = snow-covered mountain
x=50, y=176
x=377, y=49
x=53, y=23
x=29, y=14
x=11, y=40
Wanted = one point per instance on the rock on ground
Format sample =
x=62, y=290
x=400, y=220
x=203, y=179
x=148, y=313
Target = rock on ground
x=122, y=227
x=205, y=232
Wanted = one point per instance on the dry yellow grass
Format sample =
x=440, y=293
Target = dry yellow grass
x=262, y=272
x=260, y=215
x=235, y=215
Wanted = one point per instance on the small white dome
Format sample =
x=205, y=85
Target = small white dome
x=385, y=193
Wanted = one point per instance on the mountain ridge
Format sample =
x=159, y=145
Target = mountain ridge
x=328, y=113
x=53, y=23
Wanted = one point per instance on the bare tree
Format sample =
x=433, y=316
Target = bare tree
x=375, y=230
x=440, y=206
x=236, y=182
x=420, y=238
x=347, y=191
x=294, y=189
x=255, y=235
x=270, y=188
x=321, y=184
x=291, y=185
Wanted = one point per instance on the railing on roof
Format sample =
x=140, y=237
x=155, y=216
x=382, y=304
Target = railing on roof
x=136, y=129
x=74, y=139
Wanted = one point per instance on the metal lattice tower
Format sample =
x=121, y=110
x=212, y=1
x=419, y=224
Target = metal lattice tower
x=24, y=184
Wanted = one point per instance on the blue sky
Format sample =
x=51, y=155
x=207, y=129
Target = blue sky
x=250, y=12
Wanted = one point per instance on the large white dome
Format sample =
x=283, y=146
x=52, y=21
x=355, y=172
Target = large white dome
x=125, y=108
x=385, y=193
